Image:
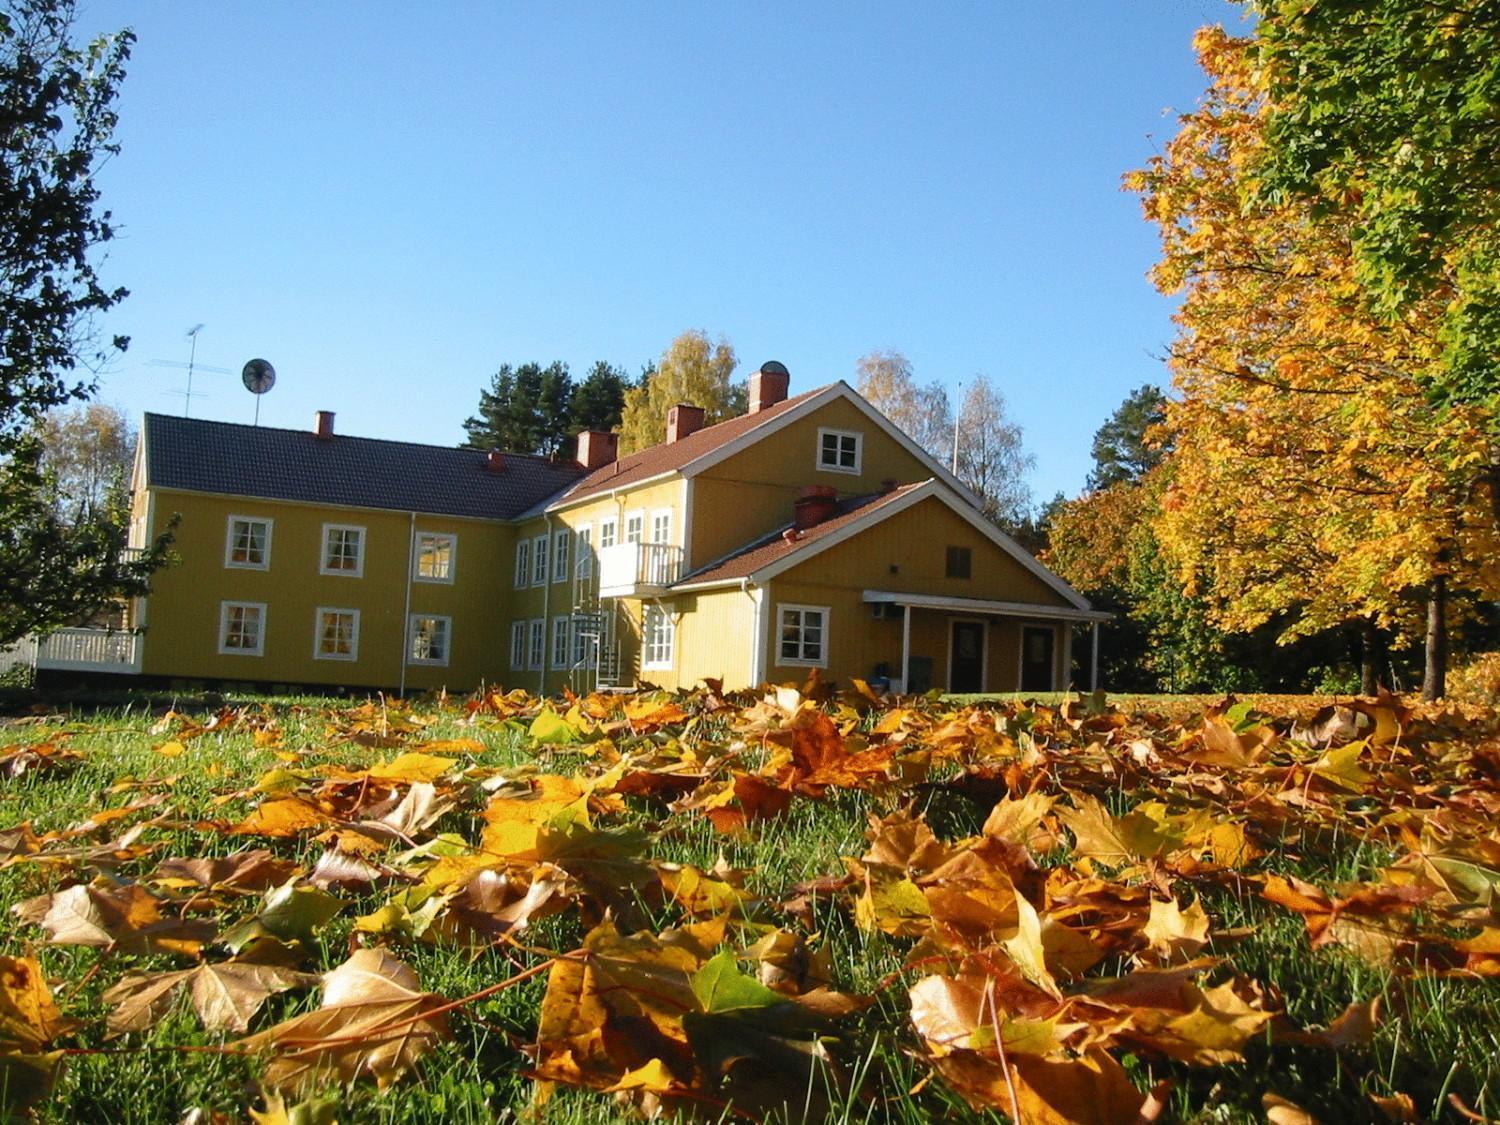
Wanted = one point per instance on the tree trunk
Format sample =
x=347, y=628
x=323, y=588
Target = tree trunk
x=1434, y=678
x=1371, y=657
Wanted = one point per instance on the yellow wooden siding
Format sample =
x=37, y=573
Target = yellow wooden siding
x=751, y=493
x=714, y=640
x=183, y=618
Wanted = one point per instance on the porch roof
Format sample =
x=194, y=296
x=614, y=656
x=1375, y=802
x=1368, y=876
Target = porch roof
x=990, y=608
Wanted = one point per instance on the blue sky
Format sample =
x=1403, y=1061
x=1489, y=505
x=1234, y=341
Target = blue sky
x=389, y=201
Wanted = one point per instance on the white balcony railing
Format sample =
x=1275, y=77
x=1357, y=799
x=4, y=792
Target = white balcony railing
x=635, y=569
x=90, y=650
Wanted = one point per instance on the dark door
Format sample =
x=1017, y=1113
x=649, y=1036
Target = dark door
x=1036, y=659
x=967, y=670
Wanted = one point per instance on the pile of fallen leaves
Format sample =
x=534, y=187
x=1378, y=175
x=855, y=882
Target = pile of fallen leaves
x=1038, y=956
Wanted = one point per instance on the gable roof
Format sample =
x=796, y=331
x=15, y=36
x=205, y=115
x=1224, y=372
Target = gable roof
x=768, y=557
x=231, y=459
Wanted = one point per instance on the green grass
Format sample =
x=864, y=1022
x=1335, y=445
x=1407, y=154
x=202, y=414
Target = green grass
x=1441, y=1035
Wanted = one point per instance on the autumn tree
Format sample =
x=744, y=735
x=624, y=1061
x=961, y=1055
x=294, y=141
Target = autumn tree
x=992, y=460
x=1391, y=111
x=886, y=381
x=693, y=369
x=57, y=123
x=87, y=452
x=1313, y=482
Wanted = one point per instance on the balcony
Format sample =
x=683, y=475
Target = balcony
x=90, y=650
x=638, y=570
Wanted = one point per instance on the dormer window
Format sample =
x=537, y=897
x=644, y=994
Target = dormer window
x=840, y=451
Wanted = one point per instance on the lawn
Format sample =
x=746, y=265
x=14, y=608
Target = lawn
x=777, y=907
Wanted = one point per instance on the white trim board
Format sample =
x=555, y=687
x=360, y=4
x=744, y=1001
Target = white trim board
x=993, y=608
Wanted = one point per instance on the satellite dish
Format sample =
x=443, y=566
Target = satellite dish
x=259, y=376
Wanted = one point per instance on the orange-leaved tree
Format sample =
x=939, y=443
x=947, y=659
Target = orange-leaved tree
x=1312, y=481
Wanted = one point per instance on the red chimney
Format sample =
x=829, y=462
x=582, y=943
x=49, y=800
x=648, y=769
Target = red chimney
x=768, y=386
x=323, y=425
x=816, y=503
x=494, y=461
x=597, y=447
x=682, y=420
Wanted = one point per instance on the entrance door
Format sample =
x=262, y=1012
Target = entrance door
x=1036, y=658
x=966, y=657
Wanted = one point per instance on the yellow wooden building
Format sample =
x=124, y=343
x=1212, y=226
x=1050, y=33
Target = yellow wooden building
x=809, y=533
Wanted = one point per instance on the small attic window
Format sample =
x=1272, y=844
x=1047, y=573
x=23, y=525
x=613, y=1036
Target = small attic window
x=960, y=562
x=840, y=451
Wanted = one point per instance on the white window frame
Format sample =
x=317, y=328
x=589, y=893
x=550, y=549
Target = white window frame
x=859, y=451
x=359, y=558
x=657, y=652
x=435, y=537
x=517, y=645
x=583, y=564
x=523, y=564
x=609, y=532
x=225, y=649
x=318, y=653
x=661, y=517
x=562, y=540
x=411, y=640
x=536, y=643
x=802, y=661
x=560, y=626
x=539, y=560
x=265, y=563
x=638, y=518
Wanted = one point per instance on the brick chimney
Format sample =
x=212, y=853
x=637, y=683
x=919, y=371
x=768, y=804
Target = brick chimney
x=494, y=461
x=597, y=447
x=682, y=420
x=323, y=425
x=816, y=503
x=768, y=386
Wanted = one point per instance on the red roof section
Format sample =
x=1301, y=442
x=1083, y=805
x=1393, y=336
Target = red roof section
x=774, y=547
x=667, y=457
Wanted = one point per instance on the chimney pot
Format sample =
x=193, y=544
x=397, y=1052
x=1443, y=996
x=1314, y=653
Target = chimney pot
x=494, y=461
x=682, y=420
x=597, y=448
x=323, y=425
x=768, y=386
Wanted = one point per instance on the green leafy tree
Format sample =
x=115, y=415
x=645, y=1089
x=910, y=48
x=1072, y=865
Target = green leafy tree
x=57, y=122
x=693, y=369
x=525, y=410
x=1392, y=110
x=1123, y=448
x=599, y=400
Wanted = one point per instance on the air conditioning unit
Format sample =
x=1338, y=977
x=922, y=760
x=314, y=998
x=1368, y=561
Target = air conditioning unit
x=885, y=611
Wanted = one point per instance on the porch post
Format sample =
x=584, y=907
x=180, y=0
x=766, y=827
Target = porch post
x=1094, y=659
x=906, y=650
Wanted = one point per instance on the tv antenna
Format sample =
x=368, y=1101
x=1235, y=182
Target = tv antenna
x=259, y=377
x=190, y=366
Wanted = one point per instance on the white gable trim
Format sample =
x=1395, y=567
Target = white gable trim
x=929, y=488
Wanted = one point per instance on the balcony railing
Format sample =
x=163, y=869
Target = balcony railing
x=630, y=570
x=90, y=650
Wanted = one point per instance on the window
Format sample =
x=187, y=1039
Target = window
x=523, y=563
x=343, y=549
x=518, y=644
x=661, y=526
x=803, y=635
x=584, y=567
x=539, y=561
x=429, y=639
x=960, y=562
x=633, y=524
x=607, y=533
x=242, y=628
x=583, y=634
x=248, y=543
x=536, y=635
x=657, y=633
x=435, y=553
x=560, y=642
x=337, y=634
x=560, y=544
x=839, y=451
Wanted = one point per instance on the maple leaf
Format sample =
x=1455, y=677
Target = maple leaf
x=254, y=870
x=1174, y=934
x=374, y=1021
x=29, y=1021
x=225, y=995
x=122, y=916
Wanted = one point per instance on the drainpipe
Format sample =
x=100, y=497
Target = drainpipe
x=758, y=636
x=541, y=688
x=1094, y=659
x=411, y=556
x=906, y=650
